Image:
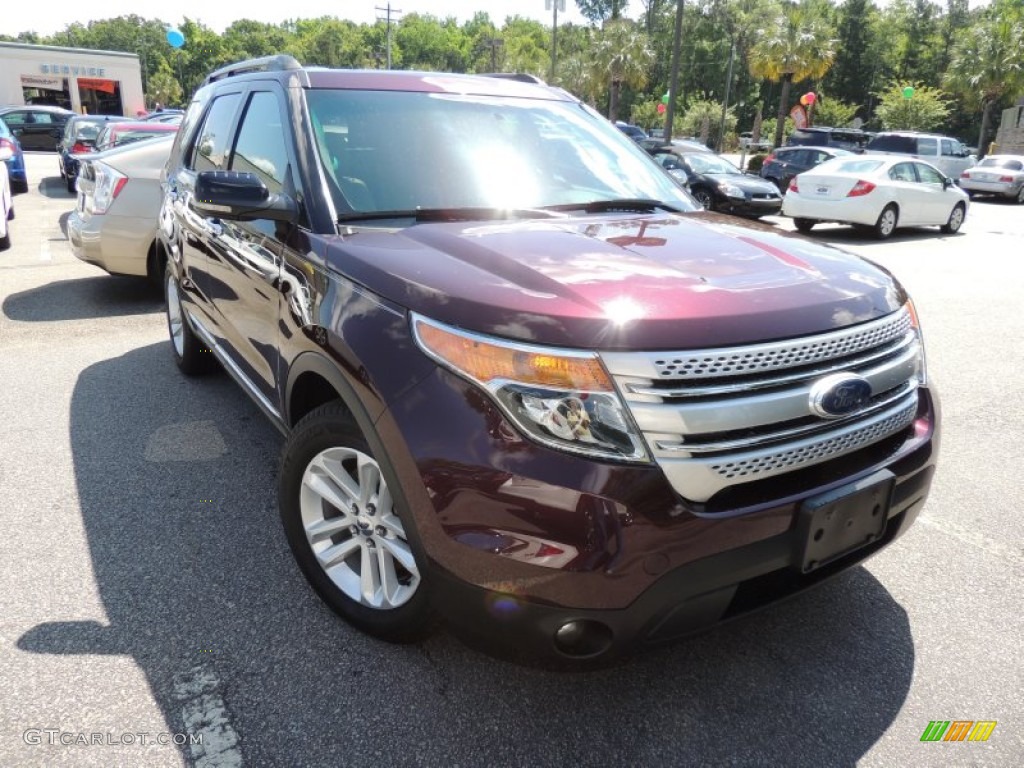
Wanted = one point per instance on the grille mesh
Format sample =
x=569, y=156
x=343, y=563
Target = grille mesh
x=769, y=357
x=815, y=452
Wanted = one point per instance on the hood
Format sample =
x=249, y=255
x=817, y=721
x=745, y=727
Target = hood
x=617, y=282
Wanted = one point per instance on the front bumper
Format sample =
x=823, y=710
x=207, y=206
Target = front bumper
x=621, y=550
x=751, y=207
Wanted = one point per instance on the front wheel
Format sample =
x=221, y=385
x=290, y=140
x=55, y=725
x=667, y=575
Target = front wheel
x=887, y=221
x=1020, y=195
x=956, y=219
x=804, y=225
x=703, y=197
x=346, y=529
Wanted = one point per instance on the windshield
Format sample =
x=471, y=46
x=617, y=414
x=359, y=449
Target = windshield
x=706, y=162
x=402, y=151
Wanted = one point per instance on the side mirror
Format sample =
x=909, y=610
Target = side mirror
x=241, y=196
x=947, y=182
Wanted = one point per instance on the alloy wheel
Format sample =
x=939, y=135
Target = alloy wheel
x=174, y=317
x=351, y=527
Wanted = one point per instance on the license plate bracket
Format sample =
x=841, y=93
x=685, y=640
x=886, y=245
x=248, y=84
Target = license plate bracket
x=836, y=523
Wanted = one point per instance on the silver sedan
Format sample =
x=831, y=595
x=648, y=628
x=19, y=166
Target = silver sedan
x=1001, y=175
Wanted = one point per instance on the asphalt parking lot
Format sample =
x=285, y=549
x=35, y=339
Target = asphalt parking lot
x=146, y=588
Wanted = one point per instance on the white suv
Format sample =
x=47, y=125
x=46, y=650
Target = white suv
x=947, y=154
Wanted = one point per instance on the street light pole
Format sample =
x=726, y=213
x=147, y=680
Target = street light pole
x=725, y=103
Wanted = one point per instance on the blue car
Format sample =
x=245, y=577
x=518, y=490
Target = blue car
x=15, y=163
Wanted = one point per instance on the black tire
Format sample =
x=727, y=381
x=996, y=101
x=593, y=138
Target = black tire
x=192, y=357
x=19, y=187
x=330, y=431
x=956, y=219
x=888, y=219
x=804, y=225
x=71, y=184
x=704, y=199
x=10, y=213
x=5, y=241
x=782, y=186
x=1020, y=195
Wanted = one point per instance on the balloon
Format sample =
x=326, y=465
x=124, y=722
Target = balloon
x=811, y=97
x=661, y=109
x=175, y=38
x=803, y=100
x=908, y=92
x=664, y=99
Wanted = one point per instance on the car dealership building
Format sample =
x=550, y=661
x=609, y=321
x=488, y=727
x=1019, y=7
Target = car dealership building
x=86, y=81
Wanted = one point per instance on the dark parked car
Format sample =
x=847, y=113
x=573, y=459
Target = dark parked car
x=524, y=384
x=14, y=159
x=786, y=162
x=80, y=138
x=718, y=185
x=36, y=128
x=851, y=139
x=635, y=132
x=117, y=134
x=684, y=145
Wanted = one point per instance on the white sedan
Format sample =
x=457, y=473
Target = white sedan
x=876, y=192
x=6, y=204
x=1001, y=175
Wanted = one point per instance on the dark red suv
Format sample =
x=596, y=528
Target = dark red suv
x=526, y=387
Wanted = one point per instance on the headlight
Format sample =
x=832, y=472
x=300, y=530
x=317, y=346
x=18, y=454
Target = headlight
x=561, y=398
x=915, y=323
x=730, y=190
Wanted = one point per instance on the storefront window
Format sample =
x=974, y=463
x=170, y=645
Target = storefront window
x=48, y=91
x=99, y=96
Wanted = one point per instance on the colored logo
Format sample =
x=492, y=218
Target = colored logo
x=839, y=395
x=958, y=730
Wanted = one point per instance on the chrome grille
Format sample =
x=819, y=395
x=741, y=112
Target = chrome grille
x=721, y=417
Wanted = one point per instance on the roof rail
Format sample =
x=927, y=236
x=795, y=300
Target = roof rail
x=522, y=77
x=278, y=63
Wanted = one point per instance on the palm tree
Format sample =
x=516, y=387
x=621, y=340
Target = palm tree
x=795, y=46
x=987, y=64
x=622, y=53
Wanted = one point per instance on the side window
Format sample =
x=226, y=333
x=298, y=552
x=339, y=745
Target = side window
x=948, y=150
x=927, y=147
x=14, y=118
x=927, y=174
x=212, y=143
x=42, y=118
x=902, y=172
x=261, y=147
x=820, y=157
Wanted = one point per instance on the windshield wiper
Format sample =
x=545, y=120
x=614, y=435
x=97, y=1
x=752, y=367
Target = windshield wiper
x=451, y=214
x=627, y=204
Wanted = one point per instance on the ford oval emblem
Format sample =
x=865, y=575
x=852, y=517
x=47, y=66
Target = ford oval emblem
x=839, y=395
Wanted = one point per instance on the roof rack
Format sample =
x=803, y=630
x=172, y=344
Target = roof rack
x=522, y=77
x=278, y=63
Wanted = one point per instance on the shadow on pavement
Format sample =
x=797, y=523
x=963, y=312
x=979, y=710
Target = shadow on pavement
x=176, y=481
x=842, y=235
x=85, y=298
x=55, y=187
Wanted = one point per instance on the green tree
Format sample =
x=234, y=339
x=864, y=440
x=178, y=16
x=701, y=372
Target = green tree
x=622, y=54
x=702, y=119
x=796, y=45
x=988, y=62
x=853, y=71
x=926, y=110
x=527, y=46
x=601, y=10
x=830, y=111
x=163, y=86
x=430, y=44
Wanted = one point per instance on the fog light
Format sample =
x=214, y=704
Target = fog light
x=583, y=638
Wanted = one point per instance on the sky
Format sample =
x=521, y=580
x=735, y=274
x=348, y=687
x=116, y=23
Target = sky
x=23, y=16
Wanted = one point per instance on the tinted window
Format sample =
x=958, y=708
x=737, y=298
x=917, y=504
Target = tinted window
x=42, y=118
x=927, y=146
x=948, y=148
x=1002, y=162
x=212, y=143
x=260, y=148
x=927, y=174
x=903, y=144
x=14, y=118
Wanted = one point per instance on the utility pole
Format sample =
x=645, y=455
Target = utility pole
x=725, y=103
x=494, y=43
x=388, y=11
x=554, y=5
x=677, y=43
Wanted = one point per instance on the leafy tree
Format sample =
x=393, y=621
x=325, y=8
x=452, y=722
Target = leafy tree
x=527, y=46
x=601, y=10
x=645, y=114
x=163, y=86
x=830, y=111
x=621, y=52
x=924, y=111
x=330, y=42
x=703, y=119
x=796, y=45
x=856, y=61
x=430, y=44
x=987, y=62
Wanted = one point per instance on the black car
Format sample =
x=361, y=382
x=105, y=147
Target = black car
x=635, y=132
x=852, y=139
x=786, y=162
x=718, y=185
x=79, y=138
x=35, y=127
x=653, y=145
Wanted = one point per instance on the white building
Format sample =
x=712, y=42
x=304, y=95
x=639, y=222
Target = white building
x=95, y=82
